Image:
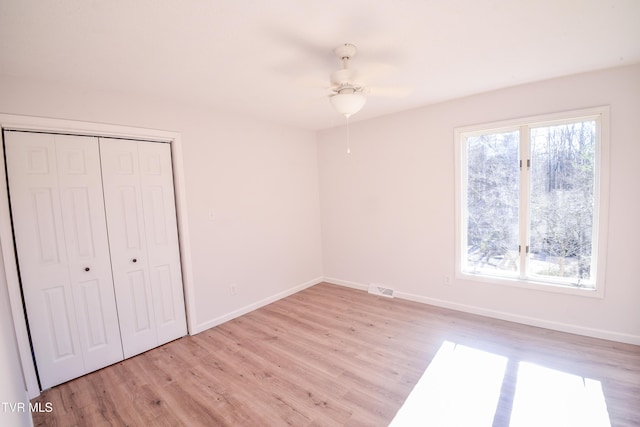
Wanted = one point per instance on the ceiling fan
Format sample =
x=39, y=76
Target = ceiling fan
x=347, y=97
x=348, y=90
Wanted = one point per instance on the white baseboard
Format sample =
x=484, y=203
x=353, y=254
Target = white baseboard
x=511, y=317
x=254, y=306
x=346, y=284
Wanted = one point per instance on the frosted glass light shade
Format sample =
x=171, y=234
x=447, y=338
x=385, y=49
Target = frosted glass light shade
x=347, y=103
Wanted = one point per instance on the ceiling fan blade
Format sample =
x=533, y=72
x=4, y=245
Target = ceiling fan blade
x=319, y=54
x=313, y=81
x=369, y=73
x=388, y=91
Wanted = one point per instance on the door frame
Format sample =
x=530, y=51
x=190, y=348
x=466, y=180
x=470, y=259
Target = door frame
x=41, y=124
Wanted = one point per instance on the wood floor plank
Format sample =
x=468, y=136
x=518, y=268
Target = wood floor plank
x=327, y=356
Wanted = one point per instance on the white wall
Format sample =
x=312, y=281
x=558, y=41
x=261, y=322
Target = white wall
x=261, y=181
x=388, y=208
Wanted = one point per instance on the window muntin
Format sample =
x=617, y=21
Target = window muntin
x=529, y=201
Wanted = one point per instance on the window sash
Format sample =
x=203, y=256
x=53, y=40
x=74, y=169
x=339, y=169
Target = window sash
x=588, y=282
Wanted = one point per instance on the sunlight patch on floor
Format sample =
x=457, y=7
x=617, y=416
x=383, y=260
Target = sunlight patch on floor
x=461, y=387
x=546, y=397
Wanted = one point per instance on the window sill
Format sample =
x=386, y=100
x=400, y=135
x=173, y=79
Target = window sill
x=533, y=285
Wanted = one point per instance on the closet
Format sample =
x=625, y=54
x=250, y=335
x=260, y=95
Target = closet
x=96, y=238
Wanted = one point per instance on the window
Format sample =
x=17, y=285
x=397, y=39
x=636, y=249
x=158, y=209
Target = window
x=531, y=201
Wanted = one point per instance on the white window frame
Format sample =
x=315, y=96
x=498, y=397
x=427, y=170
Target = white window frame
x=601, y=200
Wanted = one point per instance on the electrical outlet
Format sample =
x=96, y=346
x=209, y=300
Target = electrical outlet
x=233, y=289
x=446, y=280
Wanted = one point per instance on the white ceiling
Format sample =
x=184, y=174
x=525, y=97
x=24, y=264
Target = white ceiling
x=271, y=59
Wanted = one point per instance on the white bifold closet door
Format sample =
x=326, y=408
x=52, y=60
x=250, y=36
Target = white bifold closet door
x=61, y=239
x=96, y=236
x=141, y=218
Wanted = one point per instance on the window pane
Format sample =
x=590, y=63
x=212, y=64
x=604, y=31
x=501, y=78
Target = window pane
x=562, y=202
x=492, y=203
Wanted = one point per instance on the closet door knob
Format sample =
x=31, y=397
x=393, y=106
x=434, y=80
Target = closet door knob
x=87, y=269
x=134, y=260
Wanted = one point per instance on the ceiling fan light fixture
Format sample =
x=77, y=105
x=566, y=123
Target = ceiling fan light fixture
x=347, y=104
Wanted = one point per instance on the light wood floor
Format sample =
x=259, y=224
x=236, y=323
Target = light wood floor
x=329, y=356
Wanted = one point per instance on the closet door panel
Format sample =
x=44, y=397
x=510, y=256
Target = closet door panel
x=38, y=227
x=80, y=180
x=125, y=220
x=156, y=177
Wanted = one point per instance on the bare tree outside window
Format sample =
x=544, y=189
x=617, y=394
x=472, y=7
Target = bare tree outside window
x=562, y=202
x=530, y=202
x=492, y=202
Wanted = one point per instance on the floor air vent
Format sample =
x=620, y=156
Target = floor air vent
x=380, y=290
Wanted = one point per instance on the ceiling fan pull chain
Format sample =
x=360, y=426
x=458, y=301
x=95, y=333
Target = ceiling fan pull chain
x=348, y=140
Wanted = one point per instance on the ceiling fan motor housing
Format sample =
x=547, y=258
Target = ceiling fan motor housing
x=344, y=80
x=343, y=77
